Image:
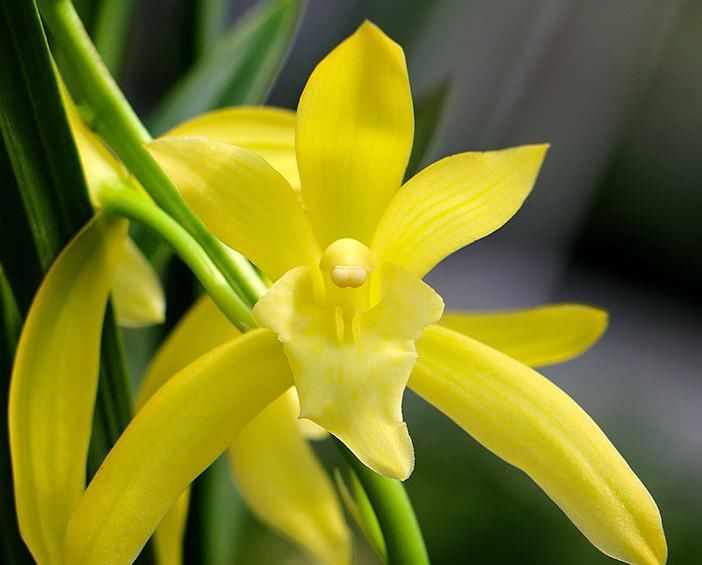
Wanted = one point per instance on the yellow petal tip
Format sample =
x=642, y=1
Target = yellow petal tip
x=385, y=449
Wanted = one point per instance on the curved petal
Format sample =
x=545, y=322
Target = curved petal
x=265, y=130
x=532, y=424
x=54, y=382
x=453, y=202
x=99, y=164
x=354, y=135
x=137, y=291
x=351, y=376
x=172, y=439
x=535, y=336
x=168, y=538
x=282, y=481
x=201, y=329
x=242, y=199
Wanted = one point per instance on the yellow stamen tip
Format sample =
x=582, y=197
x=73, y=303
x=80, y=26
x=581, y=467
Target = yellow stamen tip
x=348, y=263
x=344, y=277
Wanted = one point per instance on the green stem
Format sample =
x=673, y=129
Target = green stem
x=117, y=123
x=129, y=203
x=401, y=531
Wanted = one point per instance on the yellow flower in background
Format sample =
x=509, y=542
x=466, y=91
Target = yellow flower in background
x=137, y=292
x=348, y=322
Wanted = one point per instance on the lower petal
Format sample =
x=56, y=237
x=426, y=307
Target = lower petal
x=168, y=538
x=283, y=483
x=178, y=433
x=529, y=422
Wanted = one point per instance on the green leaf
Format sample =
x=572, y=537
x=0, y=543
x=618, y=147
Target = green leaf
x=44, y=200
x=210, y=22
x=52, y=198
x=427, y=114
x=240, y=69
x=216, y=518
x=12, y=549
x=111, y=32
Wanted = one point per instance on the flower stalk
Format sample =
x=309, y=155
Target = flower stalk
x=403, y=536
x=132, y=205
x=119, y=126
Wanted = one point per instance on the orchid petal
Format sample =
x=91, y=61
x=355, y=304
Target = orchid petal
x=267, y=131
x=178, y=433
x=100, y=166
x=168, y=537
x=242, y=199
x=201, y=329
x=297, y=474
x=137, y=291
x=354, y=135
x=532, y=424
x=54, y=383
x=283, y=483
x=454, y=202
x=536, y=336
x=351, y=379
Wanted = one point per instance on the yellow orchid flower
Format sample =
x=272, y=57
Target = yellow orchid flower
x=348, y=321
x=137, y=292
x=350, y=308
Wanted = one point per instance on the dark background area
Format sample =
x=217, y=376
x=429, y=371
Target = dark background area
x=615, y=220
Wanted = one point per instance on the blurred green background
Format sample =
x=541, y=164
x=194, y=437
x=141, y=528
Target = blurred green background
x=615, y=220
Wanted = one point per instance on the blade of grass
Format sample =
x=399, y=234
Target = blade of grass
x=210, y=22
x=216, y=518
x=427, y=114
x=12, y=549
x=240, y=69
x=111, y=32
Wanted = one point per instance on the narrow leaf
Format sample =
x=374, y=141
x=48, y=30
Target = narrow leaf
x=210, y=22
x=12, y=549
x=44, y=159
x=111, y=32
x=217, y=518
x=427, y=114
x=240, y=69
